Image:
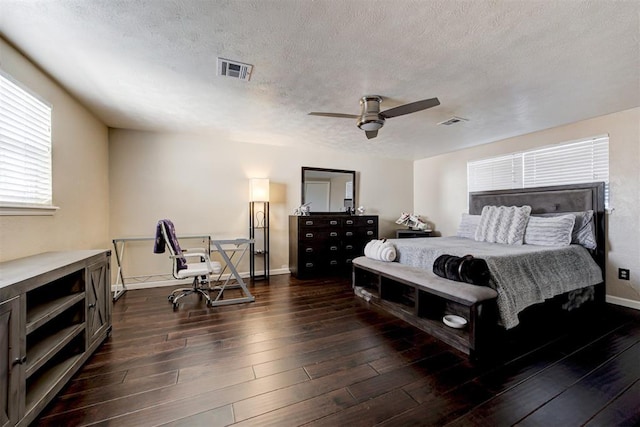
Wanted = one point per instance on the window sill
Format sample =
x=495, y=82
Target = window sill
x=27, y=210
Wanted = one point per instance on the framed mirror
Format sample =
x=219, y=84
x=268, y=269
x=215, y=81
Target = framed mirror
x=328, y=190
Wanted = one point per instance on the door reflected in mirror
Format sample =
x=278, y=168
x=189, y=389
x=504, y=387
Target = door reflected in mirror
x=328, y=190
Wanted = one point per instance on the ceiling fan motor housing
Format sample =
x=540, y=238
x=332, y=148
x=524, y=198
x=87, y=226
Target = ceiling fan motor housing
x=370, y=118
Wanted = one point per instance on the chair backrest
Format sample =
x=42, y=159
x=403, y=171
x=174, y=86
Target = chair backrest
x=171, y=241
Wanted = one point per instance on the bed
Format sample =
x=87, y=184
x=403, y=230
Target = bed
x=521, y=275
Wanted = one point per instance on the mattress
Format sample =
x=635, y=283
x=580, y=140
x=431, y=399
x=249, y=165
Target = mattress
x=522, y=275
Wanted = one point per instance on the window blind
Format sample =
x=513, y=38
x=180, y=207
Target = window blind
x=25, y=147
x=572, y=162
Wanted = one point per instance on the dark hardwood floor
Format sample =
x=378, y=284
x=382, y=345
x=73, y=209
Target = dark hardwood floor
x=313, y=353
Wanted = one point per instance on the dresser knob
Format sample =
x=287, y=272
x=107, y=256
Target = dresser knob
x=349, y=247
x=333, y=234
x=349, y=233
x=369, y=221
x=369, y=233
x=334, y=222
x=308, y=223
x=333, y=262
x=308, y=235
x=309, y=265
x=308, y=250
x=333, y=248
x=349, y=222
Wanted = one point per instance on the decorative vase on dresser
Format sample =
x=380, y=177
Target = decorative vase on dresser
x=324, y=245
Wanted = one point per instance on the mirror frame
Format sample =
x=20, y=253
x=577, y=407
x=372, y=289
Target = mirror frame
x=342, y=171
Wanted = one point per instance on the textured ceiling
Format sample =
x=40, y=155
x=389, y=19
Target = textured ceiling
x=509, y=67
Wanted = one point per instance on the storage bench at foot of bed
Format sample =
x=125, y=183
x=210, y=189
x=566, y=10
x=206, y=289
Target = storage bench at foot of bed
x=422, y=299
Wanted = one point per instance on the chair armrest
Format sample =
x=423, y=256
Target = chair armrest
x=196, y=250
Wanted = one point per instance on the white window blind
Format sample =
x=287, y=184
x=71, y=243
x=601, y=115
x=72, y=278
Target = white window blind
x=25, y=148
x=568, y=163
x=497, y=173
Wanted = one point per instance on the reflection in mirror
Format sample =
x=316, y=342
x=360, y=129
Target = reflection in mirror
x=328, y=190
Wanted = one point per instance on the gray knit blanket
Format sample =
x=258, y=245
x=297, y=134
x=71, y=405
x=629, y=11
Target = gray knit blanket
x=522, y=275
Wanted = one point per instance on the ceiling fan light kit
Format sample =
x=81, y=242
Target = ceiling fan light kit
x=371, y=119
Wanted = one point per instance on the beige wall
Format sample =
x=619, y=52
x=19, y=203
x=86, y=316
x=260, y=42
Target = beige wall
x=202, y=184
x=80, y=173
x=440, y=187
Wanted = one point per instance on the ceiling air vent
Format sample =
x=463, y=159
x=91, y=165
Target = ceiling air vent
x=453, y=120
x=234, y=69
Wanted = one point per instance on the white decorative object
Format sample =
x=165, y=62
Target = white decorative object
x=361, y=210
x=412, y=221
x=302, y=210
x=454, y=321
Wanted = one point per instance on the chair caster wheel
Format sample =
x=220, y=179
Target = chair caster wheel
x=175, y=306
x=170, y=298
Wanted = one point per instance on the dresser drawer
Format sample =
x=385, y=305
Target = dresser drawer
x=320, y=222
x=310, y=234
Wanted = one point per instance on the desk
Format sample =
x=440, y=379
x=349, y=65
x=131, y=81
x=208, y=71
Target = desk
x=223, y=247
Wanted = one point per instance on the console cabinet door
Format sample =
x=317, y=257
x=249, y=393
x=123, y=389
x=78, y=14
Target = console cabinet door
x=10, y=362
x=98, y=300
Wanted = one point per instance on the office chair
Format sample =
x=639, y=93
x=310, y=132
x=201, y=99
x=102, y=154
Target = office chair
x=200, y=271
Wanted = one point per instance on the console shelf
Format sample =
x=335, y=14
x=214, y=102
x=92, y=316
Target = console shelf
x=56, y=307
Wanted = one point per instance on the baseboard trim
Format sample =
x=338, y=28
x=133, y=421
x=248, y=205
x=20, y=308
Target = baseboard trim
x=625, y=302
x=163, y=283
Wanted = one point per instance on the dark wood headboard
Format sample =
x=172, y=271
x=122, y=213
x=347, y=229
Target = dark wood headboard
x=560, y=198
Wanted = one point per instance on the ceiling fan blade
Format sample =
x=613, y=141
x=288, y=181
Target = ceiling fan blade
x=410, y=108
x=371, y=134
x=339, y=115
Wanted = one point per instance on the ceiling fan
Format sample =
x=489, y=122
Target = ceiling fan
x=371, y=118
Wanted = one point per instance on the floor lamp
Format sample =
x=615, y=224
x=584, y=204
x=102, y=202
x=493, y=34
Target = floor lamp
x=259, y=226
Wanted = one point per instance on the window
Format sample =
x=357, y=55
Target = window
x=25, y=152
x=568, y=163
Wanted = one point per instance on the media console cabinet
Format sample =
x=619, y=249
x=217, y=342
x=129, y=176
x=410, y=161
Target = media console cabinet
x=55, y=310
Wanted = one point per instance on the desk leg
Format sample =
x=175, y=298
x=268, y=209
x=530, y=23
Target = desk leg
x=117, y=293
x=248, y=296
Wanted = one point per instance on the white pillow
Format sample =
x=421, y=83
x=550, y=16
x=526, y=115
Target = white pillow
x=503, y=224
x=468, y=226
x=549, y=231
x=583, y=230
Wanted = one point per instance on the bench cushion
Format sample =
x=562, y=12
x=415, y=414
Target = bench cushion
x=425, y=278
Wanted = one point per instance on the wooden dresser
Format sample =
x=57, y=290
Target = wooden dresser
x=324, y=245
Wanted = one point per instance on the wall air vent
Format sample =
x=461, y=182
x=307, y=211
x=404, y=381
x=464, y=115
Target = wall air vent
x=234, y=69
x=453, y=120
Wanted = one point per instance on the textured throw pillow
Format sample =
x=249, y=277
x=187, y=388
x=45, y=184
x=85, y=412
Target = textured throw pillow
x=549, y=231
x=468, y=226
x=503, y=224
x=583, y=230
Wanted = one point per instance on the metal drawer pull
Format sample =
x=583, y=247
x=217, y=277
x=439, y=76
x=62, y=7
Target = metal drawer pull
x=308, y=223
x=369, y=233
x=369, y=221
x=349, y=247
x=333, y=222
x=349, y=222
x=333, y=248
x=309, y=249
x=349, y=233
x=334, y=262
x=309, y=265
x=308, y=235
x=333, y=234
x=19, y=361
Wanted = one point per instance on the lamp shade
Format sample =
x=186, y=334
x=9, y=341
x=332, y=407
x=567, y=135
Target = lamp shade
x=259, y=190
